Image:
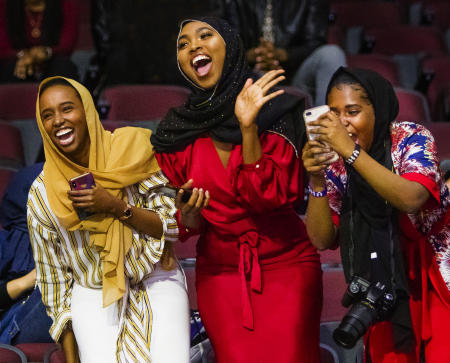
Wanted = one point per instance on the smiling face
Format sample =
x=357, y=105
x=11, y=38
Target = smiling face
x=351, y=104
x=64, y=120
x=201, y=54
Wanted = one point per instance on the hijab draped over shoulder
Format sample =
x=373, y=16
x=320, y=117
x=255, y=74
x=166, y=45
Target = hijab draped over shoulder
x=211, y=111
x=116, y=161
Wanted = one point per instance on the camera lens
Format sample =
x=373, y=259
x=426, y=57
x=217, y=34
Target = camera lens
x=74, y=184
x=308, y=114
x=354, y=324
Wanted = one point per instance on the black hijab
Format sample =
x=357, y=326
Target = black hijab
x=367, y=222
x=211, y=111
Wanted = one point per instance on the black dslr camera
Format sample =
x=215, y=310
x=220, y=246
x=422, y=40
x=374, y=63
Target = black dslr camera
x=371, y=302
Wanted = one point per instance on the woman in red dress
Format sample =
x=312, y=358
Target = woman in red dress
x=258, y=277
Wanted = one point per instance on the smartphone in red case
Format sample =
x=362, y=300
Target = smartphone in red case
x=81, y=182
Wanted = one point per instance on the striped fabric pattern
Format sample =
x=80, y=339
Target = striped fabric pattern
x=63, y=257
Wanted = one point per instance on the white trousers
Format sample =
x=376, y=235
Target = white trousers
x=96, y=328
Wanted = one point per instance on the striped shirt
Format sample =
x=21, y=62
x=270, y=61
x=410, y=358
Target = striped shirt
x=64, y=257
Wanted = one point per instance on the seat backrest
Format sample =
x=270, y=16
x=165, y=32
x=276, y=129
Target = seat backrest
x=328, y=354
x=334, y=287
x=369, y=13
x=10, y=354
x=437, y=13
x=36, y=352
x=406, y=39
x=11, y=148
x=295, y=91
x=440, y=66
x=441, y=134
x=5, y=177
x=379, y=63
x=18, y=101
x=142, y=102
x=413, y=106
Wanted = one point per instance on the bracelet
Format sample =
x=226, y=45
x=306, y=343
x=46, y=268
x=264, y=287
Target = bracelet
x=320, y=194
x=351, y=159
x=20, y=54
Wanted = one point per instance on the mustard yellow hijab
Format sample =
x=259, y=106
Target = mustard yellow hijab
x=116, y=161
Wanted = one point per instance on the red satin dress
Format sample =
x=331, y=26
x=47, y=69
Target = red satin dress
x=258, y=277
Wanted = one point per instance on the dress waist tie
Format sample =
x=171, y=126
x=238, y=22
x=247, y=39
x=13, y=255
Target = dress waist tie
x=249, y=266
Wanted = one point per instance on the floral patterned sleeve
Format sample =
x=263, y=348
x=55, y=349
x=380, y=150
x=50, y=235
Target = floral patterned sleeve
x=415, y=157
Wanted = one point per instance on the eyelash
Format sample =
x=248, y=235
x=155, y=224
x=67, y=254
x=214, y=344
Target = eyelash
x=202, y=36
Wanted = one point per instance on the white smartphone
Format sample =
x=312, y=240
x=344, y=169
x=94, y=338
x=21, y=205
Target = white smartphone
x=312, y=114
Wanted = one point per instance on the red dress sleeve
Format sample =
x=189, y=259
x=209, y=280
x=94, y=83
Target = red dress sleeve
x=69, y=30
x=274, y=181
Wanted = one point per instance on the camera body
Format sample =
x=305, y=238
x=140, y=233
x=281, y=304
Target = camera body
x=370, y=302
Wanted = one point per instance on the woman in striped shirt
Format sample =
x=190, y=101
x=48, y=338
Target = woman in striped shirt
x=109, y=281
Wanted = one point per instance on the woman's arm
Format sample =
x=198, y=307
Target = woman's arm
x=99, y=200
x=248, y=104
x=69, y=345
x=405, y=195
x=319, y=224
x=17, y=287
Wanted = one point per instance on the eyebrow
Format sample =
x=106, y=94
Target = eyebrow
x=197, y=31
x=61, y=104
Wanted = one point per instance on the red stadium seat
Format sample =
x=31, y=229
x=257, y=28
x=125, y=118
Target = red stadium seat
x=18, y=101
x=112, y=125
x=380, y=63
x=363, y=13
x=440, y=67
x=142, y=102
x=406, y=39
x=10, y=354
x=55, y=356
x=5, y=177
x=11, y=148
x=186, y=249
x=436, y=13
x=299, y=93
x=36, y=352
x=334, y=287
x=413, y=106
x=330, y=258
x=328, y=354
x=441, y=133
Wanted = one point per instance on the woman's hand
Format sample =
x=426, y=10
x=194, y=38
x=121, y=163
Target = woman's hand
x=190, y=212
x=253, y=97
x=316, y=157
x=95, y=200
x=333, y=133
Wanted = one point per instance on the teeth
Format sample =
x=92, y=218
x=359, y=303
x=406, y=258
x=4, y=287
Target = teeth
x=63, y=132
x=199, y=58
x=350, y=134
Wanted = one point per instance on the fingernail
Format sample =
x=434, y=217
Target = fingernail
x=201, y=190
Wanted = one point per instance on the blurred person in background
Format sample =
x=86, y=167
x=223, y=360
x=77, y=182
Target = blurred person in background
x=37, y=38
x=287, y=34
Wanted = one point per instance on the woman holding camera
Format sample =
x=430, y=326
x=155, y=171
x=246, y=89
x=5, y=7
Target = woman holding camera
x=258, y=277
x=108, y=281
x=385, y=203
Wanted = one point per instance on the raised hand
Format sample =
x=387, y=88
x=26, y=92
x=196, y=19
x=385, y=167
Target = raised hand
x=254, y=95
x=190, y=212
x=333, y=132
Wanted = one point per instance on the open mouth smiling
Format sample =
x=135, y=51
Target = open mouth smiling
x=202, y=64
x=65, y=136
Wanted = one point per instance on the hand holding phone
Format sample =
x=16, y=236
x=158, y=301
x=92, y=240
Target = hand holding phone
x=312, y=114
x=81, y=182
x=172, y=191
